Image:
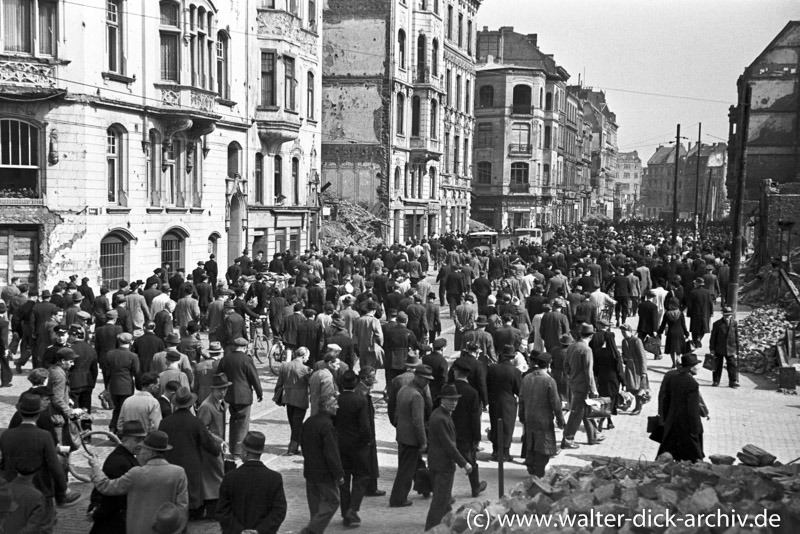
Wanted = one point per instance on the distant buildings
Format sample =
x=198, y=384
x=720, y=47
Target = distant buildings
x=658, y=180
x=629, y=183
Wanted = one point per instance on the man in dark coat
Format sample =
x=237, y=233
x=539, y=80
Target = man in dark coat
x=108, y=512
x=198, y=271
x=417, y=318
x=700, y=306
x=366, y=379
x=680, y=408
x=322, y=465
x=147, y=346
x=344, y=340
x=477, y=376
x=154, y=279
x=233, y=327
x=540, y=403
x=397, y=342
x=175, y=283
x=212, y=270
x=352, y=425
x=725, y=345
x=503, y=381
x=83, y=374
x=467, y=420
x=622, y=294
x=241, y=372
x=309, y=335
x=586, y=312
x=648, y=317
x=121, y=369
x=507, y=334
x=554, y=325
x=189, y=437
x=251, y=496
x=438, y=364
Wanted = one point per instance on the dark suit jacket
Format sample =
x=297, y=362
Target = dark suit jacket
x=309, y=335
x=109, y=511
x=232, y=327
x=146, y=347
x=31, y=450
x=352, y=422
x=648, y=318
x=83, y=375
x=105, y=339
x=122, y=367
x=476, y=378
x=251, y=497
x=438, y=365
x=29, y=517
x=554, y=325
x=699, y=307
x=241, y=372
x=443, y=454
x=321, y=460
x=467, y=416
x=397, y=341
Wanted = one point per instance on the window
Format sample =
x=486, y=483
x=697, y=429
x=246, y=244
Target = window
x=170, y=153
x=405, y=180
x=546, y=174
x=21, y=19
x=486, y=96
x=48, y=24
x=522, y=99
x=114, y=165
x=519, y=173
x=548, y=102
x=213, y=239
x=484, y=172
x=268, y=79
x=295, y=181
x=466, y=156
x=432, y=180
x=435, y=58
x=277, y=181
x=19, y=159
x=114, y=259
x=521, y=138
x=397, y=179
x=401, y=49
x=460, y=30
x=488, y=45
x=547, y=136
x=223, y=86
x=289, y=83
x=446, y=152
x=436, y=6
x=434, y=118
x=310, y=95
x=291, y=5
x=456, y=158
x=114, y=35
x=415, y=116
x=467, y=97
x=234, y=153
x=485, y=136
x=469, y=37
x=449, y=87
x=400, y=112
x=541, y=96
x=458, y=92
x=421, y=56
x=172, y=250
x=450, y=22
x=259, y=178
x=169, y=33
x=312, y=15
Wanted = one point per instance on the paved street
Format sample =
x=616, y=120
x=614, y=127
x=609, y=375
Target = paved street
x=753, y=414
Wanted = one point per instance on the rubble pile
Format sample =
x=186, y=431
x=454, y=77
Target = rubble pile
x=349, y=225
x=619, y=487
x=759, y=332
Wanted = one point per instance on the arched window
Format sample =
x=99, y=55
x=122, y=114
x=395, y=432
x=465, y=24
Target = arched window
x=397, y=179
x=422, y=53
x=486, y=96
x=259, y=178
x=20, y=162
x=277, y=181
x=295, y=182
x=114, y=259
x=548, y=101
x=234, y=153
x=223, y=85
x=484, y=172
x=213, y=240
x=401, y=49
x=153, y=161
x=415, y=116
x=172, y=249
x=522, y=99
x=434, y=118
x=435, y=58
x=546, y=174
x=114, y=165
x=432, y=180
x=547, y=136
x=401, y=112
x=310, y=95
x=519, y=173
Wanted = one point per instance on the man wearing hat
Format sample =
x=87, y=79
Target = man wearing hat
x=22, y=506
x=212, y=414
x=59, y=337
x=399, y=382
x=172, y=373
x=241, y=372
x=540, y=404
x=398, y=342
x=187, y=310
x=205, y=370
x=39, y=317
x=503, y=382
x=554, y=324
x=147, y=346
x=161, y=359
x=28, y=450
x=121, y=368
x=368, y=335
x=233, y=327
x=681, y=408
x=160, y=301
x=579, y=368
x=147, y=486
x=190, y=437
x=353, y=432
x=82, y=375
x=725, y=345
x=443, y=455
x=325, y=378
x=107, y=512
x=410, y=435
x=137, y=308
x=477, y=375
x=559, y=358
x=71, y=313
x=143, y=406
x=154, y=279
x=251, y=496
x=464, y=318
x=483, y=339
x=344, y=340
x=467, y=420
x=699, y=307
x=436, y=361
x=212, y=270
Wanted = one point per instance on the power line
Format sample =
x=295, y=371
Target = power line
x=663, y=95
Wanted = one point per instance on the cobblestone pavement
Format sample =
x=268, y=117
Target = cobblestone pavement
x=755, y=413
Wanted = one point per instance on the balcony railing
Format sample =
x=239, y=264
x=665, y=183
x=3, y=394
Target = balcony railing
x=521, y=110
x=519, y=187
x=516, y=148
x=423, y=75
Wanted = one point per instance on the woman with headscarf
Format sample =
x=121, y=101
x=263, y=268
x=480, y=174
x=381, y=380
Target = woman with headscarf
x=607, y=367
x=674, y=322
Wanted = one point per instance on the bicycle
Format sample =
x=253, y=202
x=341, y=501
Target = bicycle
x=80, y=436
x=261, y=344
x=278, y=354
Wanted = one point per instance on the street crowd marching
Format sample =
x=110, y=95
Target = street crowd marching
x=533, y=341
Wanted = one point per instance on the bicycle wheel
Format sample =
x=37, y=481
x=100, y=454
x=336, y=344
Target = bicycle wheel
x=78, y=465
x=261, y=347
x=275, y=356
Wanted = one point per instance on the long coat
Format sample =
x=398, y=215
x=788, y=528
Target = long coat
x=109, y=512
x=635, y=363
x=121, y=368
x=251, y=497
x=293, y=377
x=675, y=324
x=212, y=415
x=608, y=369
x=503, y=381
x=241, y=372
x=467, y=416
x=699, y=307
x=189, y=437
x=679, y=407
x=540, y=404
x=364, y=390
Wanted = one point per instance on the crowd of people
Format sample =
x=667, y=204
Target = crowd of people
x=532, y=342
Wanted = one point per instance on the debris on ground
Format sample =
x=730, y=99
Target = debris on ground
x=755, y=456
x=627, y=488
x=759, y=333
x=350, y=224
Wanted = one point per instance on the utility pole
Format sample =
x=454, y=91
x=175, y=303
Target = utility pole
x=708, y=202
x=741, y=175
x=697, y=184
x=675, y=192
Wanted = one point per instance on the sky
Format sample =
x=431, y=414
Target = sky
x=691, y=50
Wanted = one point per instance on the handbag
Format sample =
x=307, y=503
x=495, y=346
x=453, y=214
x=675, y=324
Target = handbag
x=277, y=396
x=598, y=408
x=422, y=479
x=710, y=361
x=655, y=428
x=106, y=401
x=652, y=345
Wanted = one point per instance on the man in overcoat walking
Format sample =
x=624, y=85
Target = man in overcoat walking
x=540, y=404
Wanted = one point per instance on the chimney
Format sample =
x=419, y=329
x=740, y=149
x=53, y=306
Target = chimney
x=506, y=29
x=533, y=39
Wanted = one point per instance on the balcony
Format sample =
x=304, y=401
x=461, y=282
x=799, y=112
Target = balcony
x=277, y=126
x=516, y=149
x=28, y=77
x=187, y=98
x=521, y=111
x=514, y=187
x=425, y=148
x=423, y=76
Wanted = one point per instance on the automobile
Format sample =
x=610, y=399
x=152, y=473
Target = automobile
x=532, y=235
x=481, y=240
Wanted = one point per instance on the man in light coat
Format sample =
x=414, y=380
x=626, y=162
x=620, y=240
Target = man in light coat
x=137, y=308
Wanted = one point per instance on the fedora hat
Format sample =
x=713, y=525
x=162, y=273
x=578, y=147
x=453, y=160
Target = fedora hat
x=508, y=351
x=349, y=379
x=46, y=294
x=566, y=339
x=169, y=519
x=229, y=305
x=254, y=441
x=689, y=360
x=220, y=381
x=481, y=321
x=424, y=371
x=184, y=398
x=30, y=404
x=173, y=355
x=172, y=338
x=727, y=310
x=412, y=360
x=77, y=297
x=215, y=347
x=449, y=391
x=133, y=428
x=587, y=329
x=157, y=440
